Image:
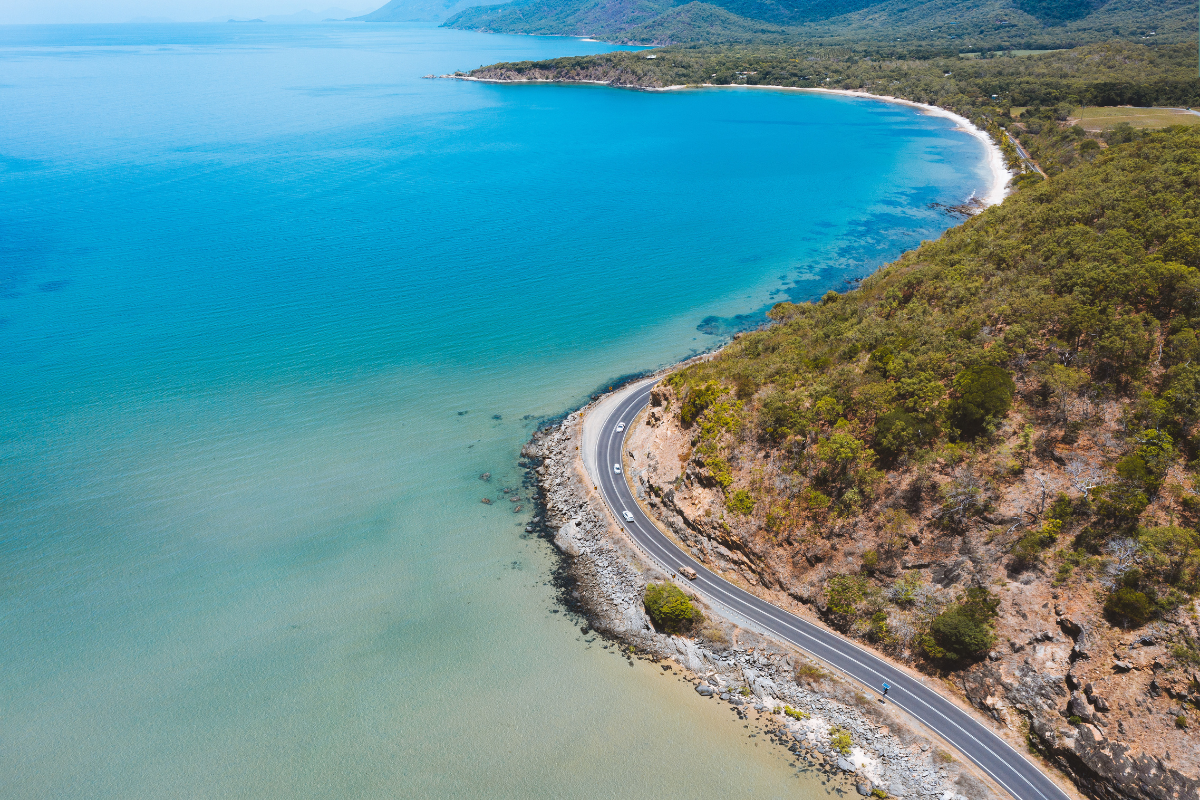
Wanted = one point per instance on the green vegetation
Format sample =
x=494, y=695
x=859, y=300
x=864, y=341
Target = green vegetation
x=964, y=630
x=1128, y=607
x=839, y=740
x=1181, y=722
x=670, y=609
x=1029, y=548
x=1098, y=264
x=983, y=393
x=795, y=713
x=979, y=25
x=741, y=502
x=844, y=592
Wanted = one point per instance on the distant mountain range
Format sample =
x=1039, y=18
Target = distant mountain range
x=418, y=10
x=963, y=24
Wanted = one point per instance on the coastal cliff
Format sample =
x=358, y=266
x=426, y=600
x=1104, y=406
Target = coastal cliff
x=801, y=706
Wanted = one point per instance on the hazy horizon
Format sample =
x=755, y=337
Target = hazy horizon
x=27, y=12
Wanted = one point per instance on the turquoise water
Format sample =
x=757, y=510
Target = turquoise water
x=270, y=302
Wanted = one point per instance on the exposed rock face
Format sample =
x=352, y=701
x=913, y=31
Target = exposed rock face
x=1056, y=655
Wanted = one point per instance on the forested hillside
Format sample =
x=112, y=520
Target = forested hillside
x=985, y=461
x=948, y=24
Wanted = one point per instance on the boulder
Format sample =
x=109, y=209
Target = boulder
x=565, y=539
x=705, y=690
x=1070, y=627
x=845, y=765
x=1078, y=706
x=864, y=789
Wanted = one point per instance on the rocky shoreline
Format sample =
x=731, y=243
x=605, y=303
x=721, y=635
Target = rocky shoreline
x=801, y=705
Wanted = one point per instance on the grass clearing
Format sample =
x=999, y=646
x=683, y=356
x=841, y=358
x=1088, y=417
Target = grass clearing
x=1101, y=118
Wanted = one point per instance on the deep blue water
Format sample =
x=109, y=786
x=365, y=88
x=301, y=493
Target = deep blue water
x=270, y=302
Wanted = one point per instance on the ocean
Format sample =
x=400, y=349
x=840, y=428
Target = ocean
x=271, y=302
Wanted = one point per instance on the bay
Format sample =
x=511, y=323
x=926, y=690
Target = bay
x=270, y=303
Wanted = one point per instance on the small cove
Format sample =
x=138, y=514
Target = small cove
x=271, y=303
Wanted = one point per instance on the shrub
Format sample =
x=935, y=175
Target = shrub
x=983, y=392
x=1128, y=607
x=741, y=501
x=904, y=591
x=1075, y=720
x=719, y=468
x=1028, y=549
x=845, y=592
x=957, y=636
x=810, y=671
x=870, y=561
x=1120, y=503
x=1173, y=554
x=839, y=740
x=670, y=609
x=880, y=793
x=1181, y=722
x=964, y=630
x=698, y=401
x=795, y=713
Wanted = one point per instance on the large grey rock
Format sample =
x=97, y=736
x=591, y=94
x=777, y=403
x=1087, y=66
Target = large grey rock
x=760, y=684
x=566, y=539
x=705, y=690
x=897, y=789
x=845, y=765
x=864, y=789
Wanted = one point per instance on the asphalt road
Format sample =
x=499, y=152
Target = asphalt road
x=992, y=754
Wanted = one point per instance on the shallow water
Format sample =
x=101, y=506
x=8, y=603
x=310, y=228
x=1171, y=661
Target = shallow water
x=270, y=303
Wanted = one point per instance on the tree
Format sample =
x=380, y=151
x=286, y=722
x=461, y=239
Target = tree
x=897, y=433
x=1063, y=383
x=1174, y=555
x=983, y=393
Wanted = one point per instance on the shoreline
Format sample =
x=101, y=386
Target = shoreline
x=602, y=576
x=1000, y=175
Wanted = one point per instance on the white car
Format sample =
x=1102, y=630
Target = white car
x=628, y=515
x=617, y=468
x=620, y=426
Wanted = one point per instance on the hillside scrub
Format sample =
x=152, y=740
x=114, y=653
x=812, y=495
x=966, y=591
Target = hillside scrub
x=1084, y=290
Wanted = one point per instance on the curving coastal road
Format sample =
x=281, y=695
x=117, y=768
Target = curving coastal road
x=993, y=755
